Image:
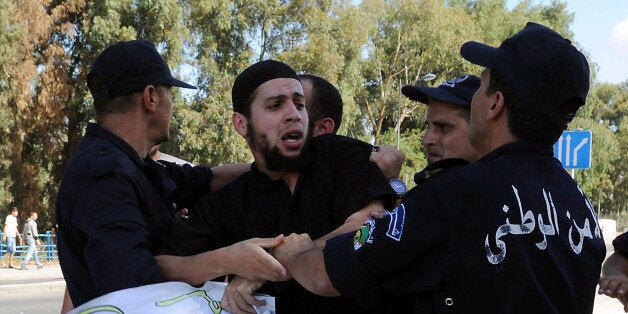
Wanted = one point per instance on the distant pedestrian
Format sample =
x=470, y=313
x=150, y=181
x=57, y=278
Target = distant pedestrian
x=9, y=234
x=31, y=236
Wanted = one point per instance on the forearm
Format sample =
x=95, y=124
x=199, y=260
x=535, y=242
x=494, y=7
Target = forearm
x=374, y=208
x=616, y=264
x=224, y=174
x=194, y=269
x=67, y=305
x=308, y=268
x=248, y=259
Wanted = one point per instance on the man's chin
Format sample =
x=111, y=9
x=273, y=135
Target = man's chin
x=433, y=158
x=291, y=153
x=292, y=160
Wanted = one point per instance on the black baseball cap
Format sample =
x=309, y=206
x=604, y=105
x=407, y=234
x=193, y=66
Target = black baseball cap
x=457, y=91
x=541, y=67
x=127, y=67
x=254, y=76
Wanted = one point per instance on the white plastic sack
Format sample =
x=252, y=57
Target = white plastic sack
x=168, y=297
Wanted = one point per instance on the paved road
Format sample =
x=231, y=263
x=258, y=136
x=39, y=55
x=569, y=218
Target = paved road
x=31, y=291
x=33, y=303
x=22, y=291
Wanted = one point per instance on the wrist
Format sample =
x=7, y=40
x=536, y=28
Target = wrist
x=288, y=261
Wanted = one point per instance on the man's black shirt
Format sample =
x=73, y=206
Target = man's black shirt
x=338, y=181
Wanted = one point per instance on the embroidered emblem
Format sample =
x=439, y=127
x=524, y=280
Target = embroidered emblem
x=395, y=227
x=452, y=83
x=364, y=234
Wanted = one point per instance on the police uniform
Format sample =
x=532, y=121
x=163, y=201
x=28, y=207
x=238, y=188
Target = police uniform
x=112, y=215
x=510, y=233
x=437, y=167
x=337, y=181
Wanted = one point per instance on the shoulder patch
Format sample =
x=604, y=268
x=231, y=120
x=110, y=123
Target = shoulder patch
x=395, y=226
x=364, y=234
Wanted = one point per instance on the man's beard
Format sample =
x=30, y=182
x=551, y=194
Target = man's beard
x=275, y=160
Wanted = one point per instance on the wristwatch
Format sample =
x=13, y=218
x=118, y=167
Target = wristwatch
x=399, y=187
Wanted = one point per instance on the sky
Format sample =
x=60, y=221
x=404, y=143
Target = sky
x=600, y=27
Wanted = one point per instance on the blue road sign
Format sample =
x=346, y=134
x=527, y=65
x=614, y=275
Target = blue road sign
x=573, y=149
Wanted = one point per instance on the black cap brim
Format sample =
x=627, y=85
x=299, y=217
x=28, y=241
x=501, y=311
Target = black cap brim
x=479, y=53
x=421, y=94
x=174, y=82
x=414, y=93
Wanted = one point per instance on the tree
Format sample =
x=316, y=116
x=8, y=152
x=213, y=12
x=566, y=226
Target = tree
x=36, y=88
x=368, y=49
x=611, y=112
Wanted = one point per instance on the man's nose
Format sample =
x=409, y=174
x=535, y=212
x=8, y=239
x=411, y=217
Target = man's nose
x=429, y=138
x=293, y=114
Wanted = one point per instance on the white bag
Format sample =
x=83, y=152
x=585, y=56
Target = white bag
x=167, y=297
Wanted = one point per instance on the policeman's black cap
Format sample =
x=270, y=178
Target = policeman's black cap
x=254, y=76
x=458, y=91
x=127, y=67
x=542, y=68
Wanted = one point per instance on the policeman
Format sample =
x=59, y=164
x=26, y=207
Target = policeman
x=511, y=232
x=112, y=200
x=448, y=111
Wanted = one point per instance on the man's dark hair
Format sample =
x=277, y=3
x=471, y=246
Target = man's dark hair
x=523, y=121
x=104, y=106
x=245, y=106
x=326, y=101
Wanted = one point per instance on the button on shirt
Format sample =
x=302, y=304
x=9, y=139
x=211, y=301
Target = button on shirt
x=510, y=233
x=111, y=218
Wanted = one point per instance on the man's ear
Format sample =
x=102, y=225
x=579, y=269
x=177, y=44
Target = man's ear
x=496, y=109
x=240, y=123
x=323, y=126
x=150, y=98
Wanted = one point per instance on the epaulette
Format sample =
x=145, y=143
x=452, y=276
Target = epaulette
x=436, y=167
x=103, y=162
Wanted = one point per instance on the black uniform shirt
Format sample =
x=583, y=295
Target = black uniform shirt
x=620, y=243
x=338, y=181
x=112, y=216
x=510, y=233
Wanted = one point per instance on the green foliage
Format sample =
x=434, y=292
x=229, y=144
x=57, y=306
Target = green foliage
x=415, y=159
x=369, y=49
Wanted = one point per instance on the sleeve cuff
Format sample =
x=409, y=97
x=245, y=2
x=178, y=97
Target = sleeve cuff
x=346, y=272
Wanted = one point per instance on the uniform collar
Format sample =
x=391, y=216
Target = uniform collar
x=519, y=147
x=94, y=129
x=436, y=167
